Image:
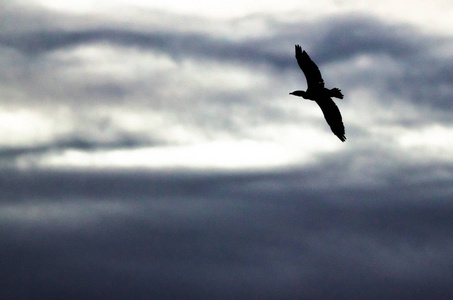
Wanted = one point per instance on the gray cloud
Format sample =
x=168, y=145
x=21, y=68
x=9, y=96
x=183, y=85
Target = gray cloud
x=208, y=235
x=366, y=222
x=209, y=108
x=74, y=143
x=334, y=40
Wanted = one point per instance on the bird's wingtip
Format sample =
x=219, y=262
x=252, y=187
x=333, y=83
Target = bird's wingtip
x=299, y=50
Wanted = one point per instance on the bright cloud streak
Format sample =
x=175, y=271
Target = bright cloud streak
x=221, y=154
x=25, y=127
x=433, y=142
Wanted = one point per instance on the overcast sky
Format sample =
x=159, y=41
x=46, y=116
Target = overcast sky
x=151, y=150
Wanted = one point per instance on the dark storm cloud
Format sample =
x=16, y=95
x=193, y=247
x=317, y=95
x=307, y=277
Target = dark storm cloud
x=230, y=235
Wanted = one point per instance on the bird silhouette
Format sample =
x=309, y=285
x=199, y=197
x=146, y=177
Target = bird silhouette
x=318, y=93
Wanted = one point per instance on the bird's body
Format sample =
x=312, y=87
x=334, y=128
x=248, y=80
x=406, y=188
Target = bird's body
x=318, y=93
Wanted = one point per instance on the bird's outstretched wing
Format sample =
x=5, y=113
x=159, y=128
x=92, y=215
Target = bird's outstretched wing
x=310, y=69
x=333, y=117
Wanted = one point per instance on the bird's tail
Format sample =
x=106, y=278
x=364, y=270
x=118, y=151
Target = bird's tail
x=336, y=92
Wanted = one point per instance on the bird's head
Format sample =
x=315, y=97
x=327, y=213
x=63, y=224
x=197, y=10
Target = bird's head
x=299, y=93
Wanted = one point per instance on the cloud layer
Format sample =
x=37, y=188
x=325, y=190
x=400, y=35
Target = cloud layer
x=162, y=157
x=206, y=235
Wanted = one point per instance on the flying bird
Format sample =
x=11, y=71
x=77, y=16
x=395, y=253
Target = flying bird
x=318, y=93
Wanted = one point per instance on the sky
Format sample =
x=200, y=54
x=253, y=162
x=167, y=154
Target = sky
x=151, y=150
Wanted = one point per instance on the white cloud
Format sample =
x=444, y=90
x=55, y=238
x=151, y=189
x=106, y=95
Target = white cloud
x=432, y=142
x=242, y=155
x=26, y=127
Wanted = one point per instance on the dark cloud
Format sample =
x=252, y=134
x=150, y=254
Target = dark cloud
x=175, y=44
x=205, y=235
x=331, y=39
x=75, y=143
x=348, y=36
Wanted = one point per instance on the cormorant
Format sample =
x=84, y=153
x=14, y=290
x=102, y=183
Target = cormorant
x=318, y=93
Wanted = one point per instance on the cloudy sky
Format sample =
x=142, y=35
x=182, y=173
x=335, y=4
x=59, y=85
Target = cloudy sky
x=151, y=150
